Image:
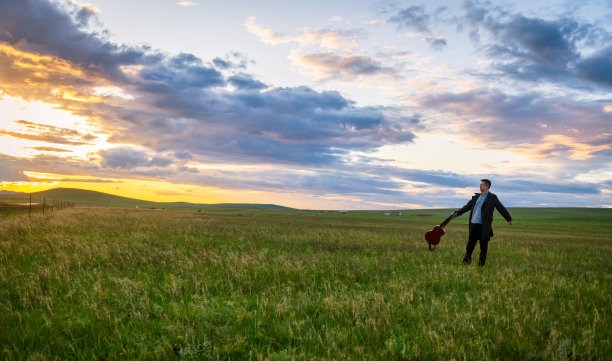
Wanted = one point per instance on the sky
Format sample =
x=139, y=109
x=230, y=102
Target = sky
x=313, y=105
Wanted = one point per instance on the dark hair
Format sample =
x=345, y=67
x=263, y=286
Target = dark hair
x=487, y=182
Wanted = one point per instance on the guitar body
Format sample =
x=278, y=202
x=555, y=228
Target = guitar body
x=434, y=235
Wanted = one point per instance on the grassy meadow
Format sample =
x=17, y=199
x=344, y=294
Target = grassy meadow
x=241, y=284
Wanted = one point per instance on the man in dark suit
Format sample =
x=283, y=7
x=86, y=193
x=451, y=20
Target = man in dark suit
x=481, y=208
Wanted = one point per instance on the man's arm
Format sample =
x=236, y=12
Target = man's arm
x=503, y=211
x=464, y=209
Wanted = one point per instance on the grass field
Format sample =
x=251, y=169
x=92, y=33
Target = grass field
x=245, y=284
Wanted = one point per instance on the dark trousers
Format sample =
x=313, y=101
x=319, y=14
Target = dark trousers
x=475, y=235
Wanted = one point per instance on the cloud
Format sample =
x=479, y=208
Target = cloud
x=416, y=18
x=231, y=61
x=276, y=125
x=326, y=38
x=177, y=73
x=535, y=49
x=49, y=137
x=11, y=169
x=553, y=145
x=87, y=180
x=529, y=123
x=129, y=158
x=51, y=149
x=413, y=18
x=46, y=28
x=49, y=134
x=597, y=68
x=331, y=65
x=362, y=185
x=179, y=104
x=246, y=82
x=522, y=185
x=436, y=43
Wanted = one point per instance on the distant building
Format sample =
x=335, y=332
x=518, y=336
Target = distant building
x=394, y=213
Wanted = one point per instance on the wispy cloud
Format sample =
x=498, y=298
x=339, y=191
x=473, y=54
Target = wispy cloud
x=51, y=149
x=326, y=38
x=49, y=134
x=416, y=18
x=334, y=66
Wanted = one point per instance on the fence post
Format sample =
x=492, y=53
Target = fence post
x=30, y=205
x=44, y=204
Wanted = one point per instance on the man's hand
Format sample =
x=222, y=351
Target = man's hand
x=510, y=223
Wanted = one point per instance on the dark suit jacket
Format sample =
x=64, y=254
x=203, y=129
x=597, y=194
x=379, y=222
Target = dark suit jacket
x=488, y=206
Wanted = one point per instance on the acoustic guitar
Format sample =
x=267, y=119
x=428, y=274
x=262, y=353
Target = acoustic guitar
x=433, y=236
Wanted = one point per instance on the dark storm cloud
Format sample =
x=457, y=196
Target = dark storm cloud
x=535, y=49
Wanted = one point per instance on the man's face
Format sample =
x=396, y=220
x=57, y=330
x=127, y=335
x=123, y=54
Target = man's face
x=483, y=187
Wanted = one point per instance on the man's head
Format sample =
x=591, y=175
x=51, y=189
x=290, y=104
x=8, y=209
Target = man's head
x=485, y=184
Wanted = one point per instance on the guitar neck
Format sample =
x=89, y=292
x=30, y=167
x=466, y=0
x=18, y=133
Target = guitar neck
x=445, y=222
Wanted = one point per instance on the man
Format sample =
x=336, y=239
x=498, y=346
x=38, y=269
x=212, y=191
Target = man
x=481, y=208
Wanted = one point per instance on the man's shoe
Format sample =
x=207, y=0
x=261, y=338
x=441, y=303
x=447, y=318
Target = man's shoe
x=467, y=260
x=481, y=262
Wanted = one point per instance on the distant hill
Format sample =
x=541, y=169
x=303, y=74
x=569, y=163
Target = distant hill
x=87, y=197
x=90, y=197
x=250, y=205
x=9, y=192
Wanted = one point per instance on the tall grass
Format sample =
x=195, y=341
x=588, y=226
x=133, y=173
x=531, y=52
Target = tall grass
x=266, y=285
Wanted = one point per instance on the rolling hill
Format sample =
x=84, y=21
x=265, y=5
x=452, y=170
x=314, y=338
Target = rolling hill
x=93, y=198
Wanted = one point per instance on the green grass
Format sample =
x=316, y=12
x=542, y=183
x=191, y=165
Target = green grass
x=289, y=285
